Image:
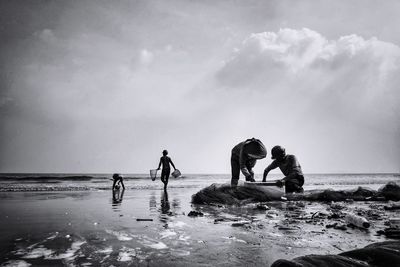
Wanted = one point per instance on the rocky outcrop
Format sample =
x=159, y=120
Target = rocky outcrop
x=380, y=254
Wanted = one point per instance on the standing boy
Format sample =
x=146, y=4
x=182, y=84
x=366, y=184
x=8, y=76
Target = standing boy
x=166, y=169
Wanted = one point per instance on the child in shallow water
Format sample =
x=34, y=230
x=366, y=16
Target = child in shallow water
x=165, y=161
x=118, y=181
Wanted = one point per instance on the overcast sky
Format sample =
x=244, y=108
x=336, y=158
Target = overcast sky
x=105, y=86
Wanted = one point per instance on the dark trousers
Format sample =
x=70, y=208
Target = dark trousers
x=235, y=168
x=295, y=184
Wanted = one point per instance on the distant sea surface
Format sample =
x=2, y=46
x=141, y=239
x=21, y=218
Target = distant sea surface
x=94, y=182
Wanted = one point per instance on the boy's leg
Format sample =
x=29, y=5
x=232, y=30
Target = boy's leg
x=166, y=178
x=295, y=185
x=163, y=176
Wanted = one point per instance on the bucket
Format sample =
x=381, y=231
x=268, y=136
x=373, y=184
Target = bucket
x=176, y=173
x=153, y=174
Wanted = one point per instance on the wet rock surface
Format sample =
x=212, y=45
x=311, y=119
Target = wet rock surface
x=377, y=254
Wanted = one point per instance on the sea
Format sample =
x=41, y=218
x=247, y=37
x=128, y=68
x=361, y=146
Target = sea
x=103, y=181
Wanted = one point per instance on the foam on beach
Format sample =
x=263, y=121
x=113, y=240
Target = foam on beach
x=17, y=263
x=121, y=236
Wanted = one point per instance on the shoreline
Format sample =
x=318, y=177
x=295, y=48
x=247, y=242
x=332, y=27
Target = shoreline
x=108, y=233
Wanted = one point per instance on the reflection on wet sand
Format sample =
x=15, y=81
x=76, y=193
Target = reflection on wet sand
x=117, y=196
x=153, y=202
x=165, y=209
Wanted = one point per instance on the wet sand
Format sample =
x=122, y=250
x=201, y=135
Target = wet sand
x=95, y=228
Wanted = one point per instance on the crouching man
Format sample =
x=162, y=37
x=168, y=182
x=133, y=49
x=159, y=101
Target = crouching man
x=290, y=167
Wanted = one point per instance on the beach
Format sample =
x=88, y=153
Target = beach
x=148, y=227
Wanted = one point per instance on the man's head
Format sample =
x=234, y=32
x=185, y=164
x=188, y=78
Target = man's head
x=165, y=152
x=278, y=152
x=255, y=149
x=116, y=176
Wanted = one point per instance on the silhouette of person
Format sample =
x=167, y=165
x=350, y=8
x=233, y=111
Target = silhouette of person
x=244, y=157
x=290, y=167
x=118, y=180
x=165, y=161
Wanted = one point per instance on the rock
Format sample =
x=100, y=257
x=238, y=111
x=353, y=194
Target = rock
x=392, y=232
x=340, y=227
x=380, y=254
x=331, y=225
x=392, y=207
x=262, y=207
x=238, y=224
x=194, y=213
x=391, y=191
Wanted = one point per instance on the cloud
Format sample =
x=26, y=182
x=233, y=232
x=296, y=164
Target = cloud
x=300, y=50
x=303, y=61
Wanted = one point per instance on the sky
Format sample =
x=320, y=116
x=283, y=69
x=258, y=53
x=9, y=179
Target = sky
x=105, y=86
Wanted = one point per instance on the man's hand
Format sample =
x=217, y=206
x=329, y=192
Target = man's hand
x=250, y=178
x=280, y=183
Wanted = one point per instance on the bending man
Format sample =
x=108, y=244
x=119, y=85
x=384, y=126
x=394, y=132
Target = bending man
x=244, y=158
x=290, y=167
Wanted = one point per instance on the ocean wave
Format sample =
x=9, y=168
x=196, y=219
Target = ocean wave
x=46, y=178
x=57, y=178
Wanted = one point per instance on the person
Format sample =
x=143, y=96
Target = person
x=118, y=180
x=290, y=167
x=165, y=161
x=244, y=157
x=117, y=196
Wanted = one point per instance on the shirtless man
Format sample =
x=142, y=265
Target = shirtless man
x=290, y=167
x=166, y=169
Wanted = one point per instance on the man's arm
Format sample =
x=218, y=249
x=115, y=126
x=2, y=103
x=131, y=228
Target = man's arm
x=170, y=161
x=269, y=168
x=242, y=164
x=114, y=182
x=159, y=165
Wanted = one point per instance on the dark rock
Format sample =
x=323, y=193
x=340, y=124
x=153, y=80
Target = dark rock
x=194, y=213
x=392, y=233
x=331, y=225
x=340, y=227
x=392, y=207
x=391, y=191
x=262, y=207
x=380, y=254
